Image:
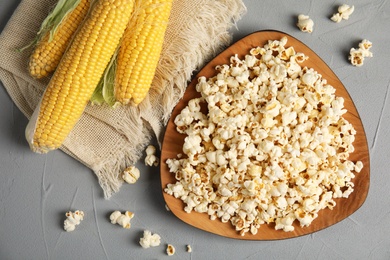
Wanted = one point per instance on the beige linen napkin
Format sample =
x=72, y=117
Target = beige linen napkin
x=105, y=139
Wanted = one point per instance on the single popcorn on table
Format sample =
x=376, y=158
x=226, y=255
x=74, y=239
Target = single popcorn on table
x=305, y=24
x=357, y=56
x=365, y=46
x=123, y=220
x=189, y=248
x=272, y=146
x=72, y=220
x=151, y=159
x=170, y=250
x=149, y=239
x=344, y=11
x=131, y=174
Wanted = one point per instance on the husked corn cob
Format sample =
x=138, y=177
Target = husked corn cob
x=78, y=74
x=140, y=50
x=51, y=47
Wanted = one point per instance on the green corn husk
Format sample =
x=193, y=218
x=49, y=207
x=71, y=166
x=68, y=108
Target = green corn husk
x=53, y=20
x=57, y=15
x=104, y=92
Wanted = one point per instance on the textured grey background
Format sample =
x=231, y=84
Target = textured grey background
x=36, y=190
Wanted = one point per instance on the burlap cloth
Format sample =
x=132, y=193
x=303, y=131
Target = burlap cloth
x=106, y=140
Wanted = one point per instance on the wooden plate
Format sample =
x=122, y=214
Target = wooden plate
x=173, y=143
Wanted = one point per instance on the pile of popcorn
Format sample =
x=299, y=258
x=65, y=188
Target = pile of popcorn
x=272, y=147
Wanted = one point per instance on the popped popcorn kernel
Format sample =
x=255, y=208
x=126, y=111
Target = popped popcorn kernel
x=149, y=239
x=357, y=56
x=72, y=220
x=305, y=24
x=131, y=174
x=189, y=249
x=272, y=147
x=114, y=216
x=358, y=166
x=344, y=11
x=123, y=220
x=170, y=250
x=151, y=159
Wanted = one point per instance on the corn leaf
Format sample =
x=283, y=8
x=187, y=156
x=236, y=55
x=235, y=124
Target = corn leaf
x=53, y=20
x=104, y=92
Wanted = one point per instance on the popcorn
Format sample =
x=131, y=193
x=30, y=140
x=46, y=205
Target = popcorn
x=356, y=56
x=344, y=11
x=305, y=24
x=114, y=216
x=365, y=45
x=131, y=174
x=285, y=223
x=170, y=250
x=189, y=249
x=151, y=159
x=192, y=144
x=272, y=146
x=72, y=220
x=358, y=166
x=304, y=218
x=149, y=239
x=123, y=220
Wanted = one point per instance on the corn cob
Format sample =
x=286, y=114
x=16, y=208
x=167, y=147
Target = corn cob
x=140, y=50
x=78, y=74
x=50, y=48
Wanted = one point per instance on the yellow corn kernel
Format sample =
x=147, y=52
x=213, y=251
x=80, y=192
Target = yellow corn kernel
x=49, y=49
x=78, y=74
x=140, y=50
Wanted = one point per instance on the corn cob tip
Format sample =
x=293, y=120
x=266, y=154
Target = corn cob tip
x=30, y=131
x=55, y=35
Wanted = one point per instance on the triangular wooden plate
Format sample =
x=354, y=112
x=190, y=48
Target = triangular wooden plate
x=173, y=142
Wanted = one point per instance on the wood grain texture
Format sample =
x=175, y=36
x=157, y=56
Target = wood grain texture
x=173, y=142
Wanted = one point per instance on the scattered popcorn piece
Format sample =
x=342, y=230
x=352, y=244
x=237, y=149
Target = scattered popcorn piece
x=114, y=216
x=344, y=11
x=365, y=46
x=272, y=146
x=72, y=220
x=358, y=166
x=336, y=17
x=131, y=174
x=356, y=56
x=167, y=208
x=151, y=159
x=305, y=24
x=123, y=220
x=189, y=249
x=149, y=239
x=170, y=250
